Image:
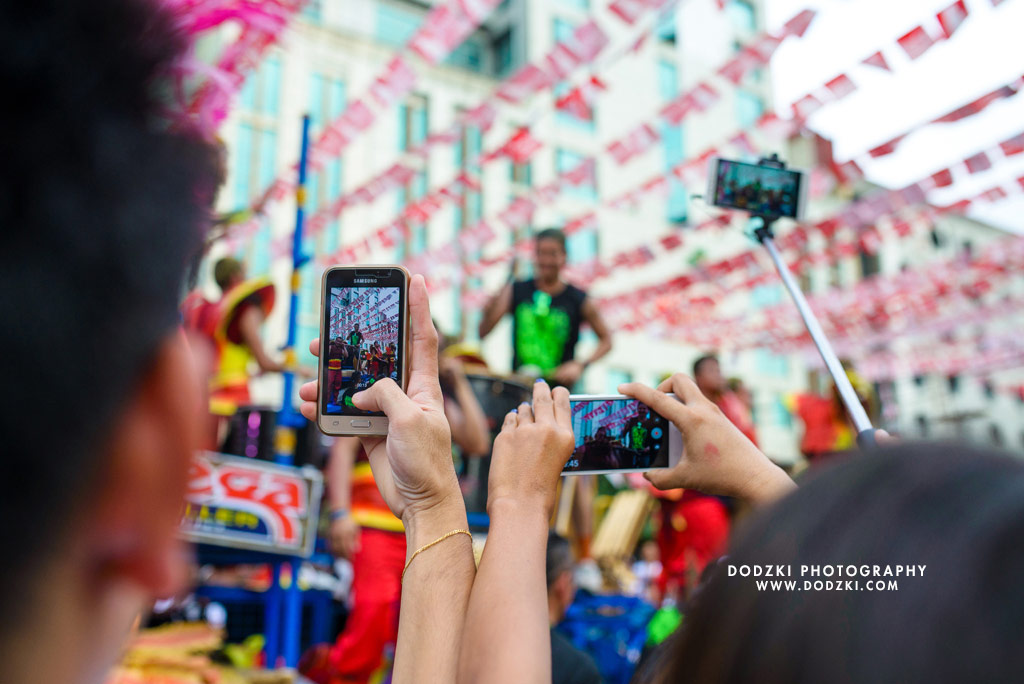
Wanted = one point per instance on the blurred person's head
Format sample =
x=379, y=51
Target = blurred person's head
x=228, y=272
x=707, y=373
x=742, y=392
x=561, y=584
x=956, y=510
x=649, y=551
x=103, y=205
x=550, y=254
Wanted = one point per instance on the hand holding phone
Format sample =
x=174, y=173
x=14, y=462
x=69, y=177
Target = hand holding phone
x=618, y=434
x=412, y=465
x=716, y=457
x=534, y=443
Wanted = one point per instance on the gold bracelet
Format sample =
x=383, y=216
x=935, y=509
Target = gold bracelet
x=427, y=546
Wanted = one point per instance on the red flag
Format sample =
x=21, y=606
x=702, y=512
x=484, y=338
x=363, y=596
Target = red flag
x=397, y=81
x=1020, y=181
x=993, y=194
x=521, y=146
x=915, y=42
x=902, y=228
x=588, y=40
x=523, y=83
x=482, y=116
x=978, y=163
x=972, y=108
x=885, y=148
x=582, y=174
x=673, y=241
x=627, y=10
x=951, y=17
x=677, y=109
x=841, y=86
x=877, y=60
x=942, y=179
x=1014, y=145
x=797, y=26
x=805, y=106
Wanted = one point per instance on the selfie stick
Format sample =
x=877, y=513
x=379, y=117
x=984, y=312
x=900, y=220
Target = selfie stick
x=766, y=236
x=288, y=420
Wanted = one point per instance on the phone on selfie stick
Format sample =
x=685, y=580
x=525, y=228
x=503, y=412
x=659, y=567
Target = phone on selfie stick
x=364, y=328
x=770, y=191
x=618, y=434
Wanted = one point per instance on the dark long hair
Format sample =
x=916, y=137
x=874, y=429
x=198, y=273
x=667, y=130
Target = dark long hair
x=957, y=510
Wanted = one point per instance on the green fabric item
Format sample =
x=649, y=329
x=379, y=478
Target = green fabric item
x=664, y=621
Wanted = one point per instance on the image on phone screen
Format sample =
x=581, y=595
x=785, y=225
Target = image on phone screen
x=758, y=189
x=617, y=434
x=363, y=345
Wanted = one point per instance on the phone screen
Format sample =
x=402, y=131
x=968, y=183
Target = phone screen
x=762, y=190
x=617, y=434
x=364, y=343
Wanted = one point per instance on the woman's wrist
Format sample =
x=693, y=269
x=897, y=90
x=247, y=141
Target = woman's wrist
x=520, y=507
x=767, y=485
x=424, y=524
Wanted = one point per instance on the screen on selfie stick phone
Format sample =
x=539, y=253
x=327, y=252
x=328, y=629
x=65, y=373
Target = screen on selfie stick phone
x=762, y=190
x=364, y=337
x=617, y=434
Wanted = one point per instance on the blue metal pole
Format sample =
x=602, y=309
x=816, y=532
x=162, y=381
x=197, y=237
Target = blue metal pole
x=288, y=419
x=292, y=630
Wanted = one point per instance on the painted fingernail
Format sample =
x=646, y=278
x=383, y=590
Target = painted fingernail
x=539, y=380
x=515, y=410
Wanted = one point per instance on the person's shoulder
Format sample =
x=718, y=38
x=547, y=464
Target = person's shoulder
x=576, y=292
x=570, y=665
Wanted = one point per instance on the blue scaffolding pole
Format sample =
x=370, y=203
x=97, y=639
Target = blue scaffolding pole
x=289, y=420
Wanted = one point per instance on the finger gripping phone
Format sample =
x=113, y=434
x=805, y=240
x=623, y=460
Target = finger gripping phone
x=618, y=434
x=364, y=328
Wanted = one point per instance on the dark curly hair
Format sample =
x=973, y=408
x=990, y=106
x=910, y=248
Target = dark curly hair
x=102, y=205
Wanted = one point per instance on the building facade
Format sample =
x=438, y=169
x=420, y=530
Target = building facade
x=330, y=57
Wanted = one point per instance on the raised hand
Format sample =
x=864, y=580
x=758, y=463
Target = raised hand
x=717, y=458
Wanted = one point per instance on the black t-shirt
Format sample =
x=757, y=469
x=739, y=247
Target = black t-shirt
x=569, y=665
x=545, y=329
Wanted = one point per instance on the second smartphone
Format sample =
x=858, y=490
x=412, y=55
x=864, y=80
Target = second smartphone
x=617, y=434
x=364, y=329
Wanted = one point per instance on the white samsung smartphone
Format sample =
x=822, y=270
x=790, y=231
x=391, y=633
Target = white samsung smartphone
x=363, y=338
x=762, y=190
x=617, y=434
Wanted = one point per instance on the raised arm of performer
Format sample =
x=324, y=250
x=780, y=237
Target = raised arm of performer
x=465, y=415
x=717, y=458
x=507, y=635
x=249, y=323
x=497, y=306
x=413, y=469
x=571, y=371
x=343, y=536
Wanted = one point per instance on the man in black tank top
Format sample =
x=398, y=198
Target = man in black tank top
x=546, y=317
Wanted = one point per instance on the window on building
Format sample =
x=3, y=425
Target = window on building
x=467, y=213
x=313, y=10
x=469, y=55
x=567, y=160
x=563, y=31
x=938, y=239
x=579, y=4
x=749, y=108
x=869, y=263
x=672, y=144
x=395, y=25
x=995, y=435
x=989, y=388
x=742, y=16
x=520, y=174
x=922, y=426
x=968, y=249
x=919, y=380
x=254, y=154
x=582, y=246
x=413, y=124
x=954, y=383
x=504, y=55
x=666, y=26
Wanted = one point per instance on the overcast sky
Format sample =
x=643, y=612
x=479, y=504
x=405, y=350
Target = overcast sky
x=985, y=53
